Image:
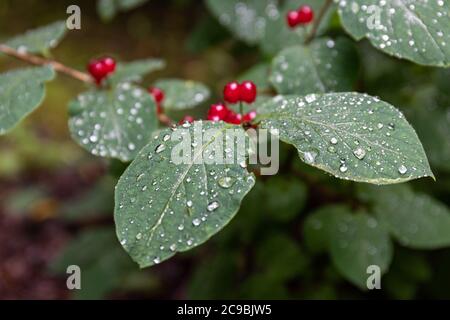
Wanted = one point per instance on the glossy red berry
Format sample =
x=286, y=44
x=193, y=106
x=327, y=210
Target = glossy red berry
x=231, y=92
x=109, y=64
x=305, y=14
x=220, y=110
x=292, y=18
x=249, y=117
x=234, y=118
x=157, y=94
x=186, y=118
x=247, y=91
x=97, y=70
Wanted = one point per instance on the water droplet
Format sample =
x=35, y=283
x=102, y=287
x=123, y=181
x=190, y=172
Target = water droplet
x=156, y=260
x=359, y=153
x=333, y=141
x=310, y=156
x=166, y=137
x=173, y=247
x=226, y=182
x=139, y=236
x=212, y=206
x=189, y=204
x=196, y=222
x=343, y=168
x=402, y=169
x=160, y=148
x=180, y=227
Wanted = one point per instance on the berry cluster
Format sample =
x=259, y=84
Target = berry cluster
x=233, y=93
x=100, y=68
x=244, y=92
x=304, y=15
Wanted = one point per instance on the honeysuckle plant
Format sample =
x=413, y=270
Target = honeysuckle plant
x=303, y=92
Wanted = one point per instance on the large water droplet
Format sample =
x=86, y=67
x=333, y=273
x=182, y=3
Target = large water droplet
x=310, y=156
x=160, y=148
x=402, y=169
x=212, y=206
x=343, y=168
x=226, y=182
x=359, y=153
x=196, y=222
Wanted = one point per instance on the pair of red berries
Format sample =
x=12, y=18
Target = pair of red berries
x=220, y=111
x=244, y=92
x=304, y=15
x=100, y=68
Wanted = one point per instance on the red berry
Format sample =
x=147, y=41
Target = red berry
x=214, y=118
x=231, y=92
x=305, y=14
x=234, y=118
x=97, y=70
x=219, y=110
x=249, y=117
x=247, y=91
x=292, y=18
x=109, y=64
x=186, y=118
x=157, y=94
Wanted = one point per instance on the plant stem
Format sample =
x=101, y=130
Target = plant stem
x=317, y=22
x=36, y=60
x=59, y=67
x=241, y=109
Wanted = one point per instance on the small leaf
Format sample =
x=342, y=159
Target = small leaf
x=134, y=71
x=350, y=135
x=181, y=94
x=39, y=40
x=323, y=66
x=278, y=35
x=163, y=206
x=415, y=219
x=415, y=30
x=358, y=241
x=21, y=92
x=116, y=123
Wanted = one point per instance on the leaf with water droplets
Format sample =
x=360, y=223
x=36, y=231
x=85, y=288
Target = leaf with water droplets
x=39, y=40
x=325, y=65
x=415, y=219
x=174, y=196
x=21, y=92
x=114, y=123
x=415, y=30
x=357, y=241
x=135, y=70
x=182, y=94
x=350, y=135
x=264, y=21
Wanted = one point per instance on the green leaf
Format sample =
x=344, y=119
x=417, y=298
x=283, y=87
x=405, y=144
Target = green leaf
x=323, y=66
x=115, y=123
x=39, y=40
x=163, y=206
x=134, y=71
x=263, y=21
x=182, y=94
x=358, y=241
x=349, y=135
x=413, y=30
x=278, y=35
x=107, y=9
x=21, y=92
x=318, y=225
x=259, y=74
x=415, y=219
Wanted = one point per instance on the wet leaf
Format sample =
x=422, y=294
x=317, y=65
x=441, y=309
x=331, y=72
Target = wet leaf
x=39, y=40
x=114, y=123
x=415, y=30
x=326, y=65
x=349, y=135
x=21, y=92
x=135, y=70
x=182, y=94
x=165, y=205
